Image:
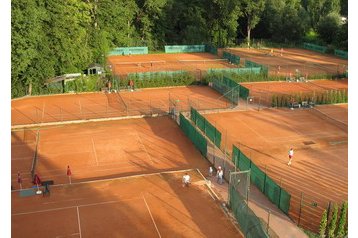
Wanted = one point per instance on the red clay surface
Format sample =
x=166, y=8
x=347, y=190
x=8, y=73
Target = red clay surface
x=98, y=150
x=296, y=87
x=150, y=206
x=122, y=65
x=265, y=90
x=306, y=61
x=57, y=108
x=320, y=164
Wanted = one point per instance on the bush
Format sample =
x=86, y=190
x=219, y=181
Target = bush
x=333, y=222
x=323, y=225
x=159, y=80
x=340, y=233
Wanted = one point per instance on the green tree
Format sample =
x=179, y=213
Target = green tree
x=342, y=221
x=66, y=29
x=148, y=15
x=252, y=10
x=26, y=35
x=333, y=223
x=323, y=224
x=116, y=18
x=328, y=27
x=223, y=21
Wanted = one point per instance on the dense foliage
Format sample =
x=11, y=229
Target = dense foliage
x=53, y=38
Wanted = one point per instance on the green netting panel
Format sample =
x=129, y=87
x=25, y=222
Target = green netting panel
x=249, y=223
x=341, y=53
x=195, y=136
x=211, y=49
x=244, y=92
x=314, y=47
x=213, y=134
x=258, y=177
x=184, y=48
x=200, y=122
x=129, y=50
x=272, y=191
x=234, y=59
x=193, y=115
x=228, y=87
x=244, y=162
x=235, y=155
x=285, y=201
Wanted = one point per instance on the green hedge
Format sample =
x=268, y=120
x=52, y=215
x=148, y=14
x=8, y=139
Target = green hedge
x=85, y=84
x=160, y=80
x=323, y=97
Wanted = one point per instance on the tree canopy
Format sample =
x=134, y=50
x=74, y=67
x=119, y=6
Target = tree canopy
x=50, y=39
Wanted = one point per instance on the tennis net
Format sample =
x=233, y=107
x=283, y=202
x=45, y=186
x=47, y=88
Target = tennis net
x=34, y=160
x=140, y=64
x=207, y=61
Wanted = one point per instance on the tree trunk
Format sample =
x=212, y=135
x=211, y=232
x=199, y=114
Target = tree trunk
x=248, y=34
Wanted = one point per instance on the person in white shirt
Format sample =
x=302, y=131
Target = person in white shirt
x=290, y=156
x=220, y=174
x=211, y=170
x=186, y=180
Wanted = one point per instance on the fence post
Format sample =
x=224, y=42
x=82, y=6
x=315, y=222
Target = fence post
x=265, y=179
x=300, y=212
x=268, y=220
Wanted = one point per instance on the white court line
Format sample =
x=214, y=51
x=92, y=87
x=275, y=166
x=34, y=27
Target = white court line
x=117, y=178
x=94, y=150
x=79, y=222
x=70, y=207
x=145, y=149
x=43, y=112
x=150, y=213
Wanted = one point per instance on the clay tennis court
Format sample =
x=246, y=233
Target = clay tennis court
x=265, y=90
x=68, y=107
x=149, y=206
x=305, y=61
x=122, y=65
x=319, y=171
x=98, y=150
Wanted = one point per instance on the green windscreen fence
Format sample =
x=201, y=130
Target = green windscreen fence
x=194, y=135
x=314, y=47
x=150, y=75
x=258, y=177
x=129, y=51
x=272, y=191
x=244, y=162
x=250, y=224
x=234, y=59
x=285, y=198
x=206, y=127
x=251, y=64
x=211, y=49
x=244, y=92
x=253, y=70
x=184, y=48
x=228, y=88
x=262, y=181
x=341, y=53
